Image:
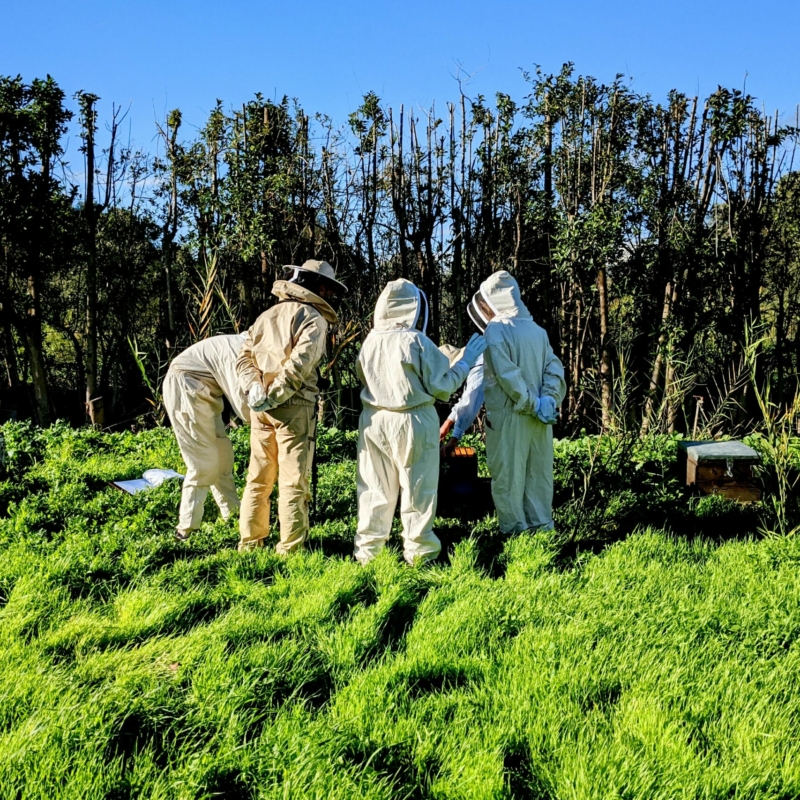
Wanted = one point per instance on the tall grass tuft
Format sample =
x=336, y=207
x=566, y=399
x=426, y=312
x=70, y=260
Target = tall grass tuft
x=778, y=441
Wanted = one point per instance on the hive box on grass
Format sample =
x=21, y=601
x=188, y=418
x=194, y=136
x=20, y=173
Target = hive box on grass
x=461, y=492
x=723, y=468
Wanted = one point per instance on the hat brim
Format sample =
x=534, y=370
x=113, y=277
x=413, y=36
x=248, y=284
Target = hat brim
x=290, y=268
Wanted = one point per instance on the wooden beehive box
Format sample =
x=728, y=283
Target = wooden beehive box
x=723, y=468
x=461, y=492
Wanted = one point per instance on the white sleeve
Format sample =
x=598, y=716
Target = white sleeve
x=466, y=409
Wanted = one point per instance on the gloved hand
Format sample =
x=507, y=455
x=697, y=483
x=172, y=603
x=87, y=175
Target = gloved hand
x=547, y=410
x=444, y=431
x=256, y=395
x=447, y=448
x=475, y=347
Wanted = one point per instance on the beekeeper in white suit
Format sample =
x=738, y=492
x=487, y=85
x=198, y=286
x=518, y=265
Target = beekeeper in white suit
x=193, y=390
x=523, y=385
x=403, y=373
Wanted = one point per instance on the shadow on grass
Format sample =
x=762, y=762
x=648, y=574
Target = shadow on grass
x=333, y=547
x=313, y=687
x=707, y=517
x=198, y=611
x=522, y=779
x=396, y=762
x=229, y=783
x=489, y=543
x=363, y=595
x=138, y=731
x=396, y=625
x=436, y=679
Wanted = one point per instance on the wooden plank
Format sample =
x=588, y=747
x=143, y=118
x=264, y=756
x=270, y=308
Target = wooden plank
x=691, y=472
x=707, y=471
x=743, y=492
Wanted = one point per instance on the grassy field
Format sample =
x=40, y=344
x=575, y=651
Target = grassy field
x=649, y=649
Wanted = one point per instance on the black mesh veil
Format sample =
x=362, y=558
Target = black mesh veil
x=479, y=311
x=316, y=283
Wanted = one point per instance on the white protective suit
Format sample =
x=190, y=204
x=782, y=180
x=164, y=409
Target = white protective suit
x=403, y=372
x=519, y=368
x=193, y=389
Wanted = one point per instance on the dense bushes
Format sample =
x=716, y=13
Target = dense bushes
x=131, y=665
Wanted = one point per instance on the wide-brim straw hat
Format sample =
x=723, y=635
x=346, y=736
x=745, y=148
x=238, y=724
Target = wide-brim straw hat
x=321, y=268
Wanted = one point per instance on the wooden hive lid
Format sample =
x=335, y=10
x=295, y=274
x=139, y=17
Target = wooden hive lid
x=719, y=451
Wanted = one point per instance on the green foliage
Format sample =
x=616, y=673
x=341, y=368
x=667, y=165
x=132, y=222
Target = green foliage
x=644, y=234
x=777, y=441
x=135, y=666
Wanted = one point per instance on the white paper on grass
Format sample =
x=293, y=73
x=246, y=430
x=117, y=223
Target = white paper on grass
x=149, y=480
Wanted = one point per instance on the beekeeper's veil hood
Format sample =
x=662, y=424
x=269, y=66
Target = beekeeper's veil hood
x=401, y=306
x=498, y=296
x=304, y=283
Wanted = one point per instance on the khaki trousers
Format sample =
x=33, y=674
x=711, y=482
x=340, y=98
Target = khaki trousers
x=281, y=447
x=196, y=415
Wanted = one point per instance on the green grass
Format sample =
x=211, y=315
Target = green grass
x=649, y=649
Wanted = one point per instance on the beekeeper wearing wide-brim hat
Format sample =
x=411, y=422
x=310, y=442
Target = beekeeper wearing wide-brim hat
x=523, y=384
x=193, y=391
x=403, y=373
x=278, y=373
x=319, y=278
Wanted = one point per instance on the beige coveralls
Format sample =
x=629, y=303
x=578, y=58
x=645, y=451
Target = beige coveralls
x=285, y=347
x=193, y=389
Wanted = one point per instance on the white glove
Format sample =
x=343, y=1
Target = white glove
x=475, y=347
x=547, y=410
x=256, y=395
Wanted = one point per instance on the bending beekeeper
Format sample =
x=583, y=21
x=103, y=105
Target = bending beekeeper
x=193, y=390
x=278, y=373
x=523, y=384
x=403, y=373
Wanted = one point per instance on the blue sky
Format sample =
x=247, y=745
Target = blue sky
x=160, y=55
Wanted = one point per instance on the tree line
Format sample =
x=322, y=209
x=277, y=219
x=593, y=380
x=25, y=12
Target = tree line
x=647, y=238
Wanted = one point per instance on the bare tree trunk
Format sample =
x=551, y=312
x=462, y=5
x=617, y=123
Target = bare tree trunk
x=94, y=404
x=546, y=280
x=398, y=191
x=605, y=350
x=32, y=329
x=670, y=396
x=429, y=227
x=779, y=334
x=9, y=346
x=655, y=376
x=171, y=222
x=574, y=353
x=12, y=369
x=455, y=212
